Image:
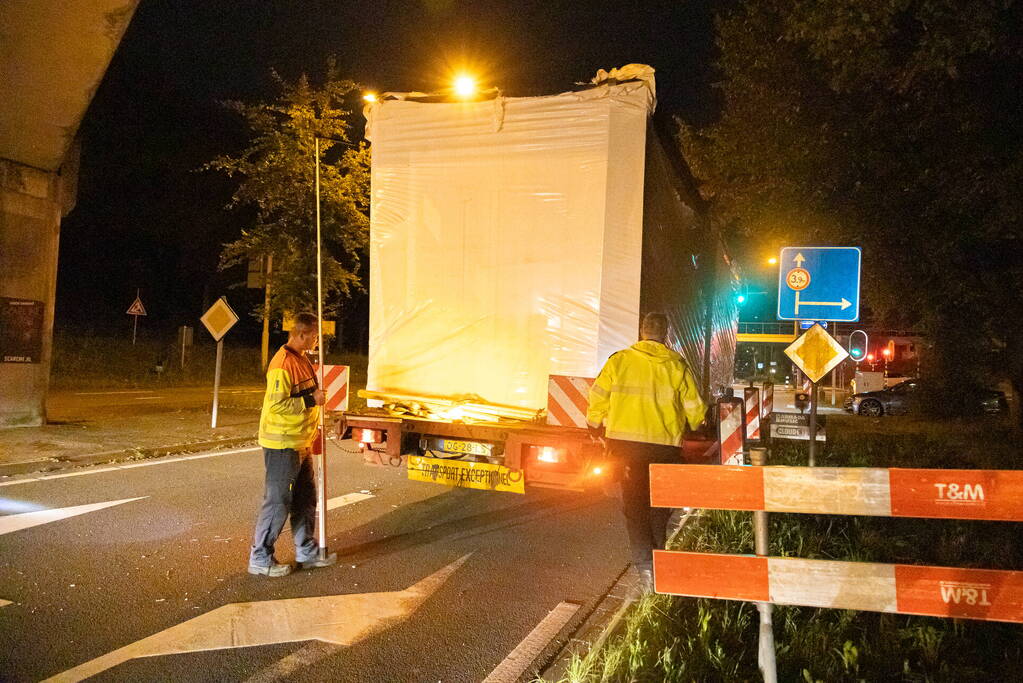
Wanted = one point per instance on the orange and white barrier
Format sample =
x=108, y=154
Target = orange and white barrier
x=335, y=386
x=768, y=403
x=905, y=589
x=567, y=400
x=731, y=430
x=942, y=494
x=752, y=399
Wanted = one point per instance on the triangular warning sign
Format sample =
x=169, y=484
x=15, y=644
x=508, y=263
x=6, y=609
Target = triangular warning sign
x=137, y=308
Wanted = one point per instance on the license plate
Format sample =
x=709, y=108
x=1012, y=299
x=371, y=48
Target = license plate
x=469, y=475
x=468, y=447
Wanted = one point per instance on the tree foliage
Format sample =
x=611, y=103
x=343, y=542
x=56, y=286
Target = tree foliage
x=276, y=174
x=892, y=124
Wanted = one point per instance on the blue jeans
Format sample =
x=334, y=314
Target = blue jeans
x=290, y=491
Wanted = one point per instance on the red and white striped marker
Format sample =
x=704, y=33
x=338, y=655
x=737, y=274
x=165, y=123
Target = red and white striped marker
x=986, y=594
x=940, y=494
x=731, y=427
x=335, y=386
x=567, y=400
x=768, y=404
x=752, y=398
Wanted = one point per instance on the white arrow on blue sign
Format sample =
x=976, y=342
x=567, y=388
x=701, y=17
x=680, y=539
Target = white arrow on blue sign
x=819, y=283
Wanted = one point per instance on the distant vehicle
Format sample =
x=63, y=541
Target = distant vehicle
x=905, y=398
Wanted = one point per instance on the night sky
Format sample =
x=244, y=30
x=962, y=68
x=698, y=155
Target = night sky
x=147, y=219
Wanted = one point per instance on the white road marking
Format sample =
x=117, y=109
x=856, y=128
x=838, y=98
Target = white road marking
x=107, y=393
x=25, y=520
x=284, y=669
x=158, y=461
x=148, y=398
x=347, y=499
x=337, y=619
x=516, y=663
x=4, y=603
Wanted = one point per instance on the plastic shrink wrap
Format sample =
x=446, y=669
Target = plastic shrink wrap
x=508, y=243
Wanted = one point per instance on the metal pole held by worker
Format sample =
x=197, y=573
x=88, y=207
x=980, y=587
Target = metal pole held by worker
x=321, y=459
x=765, y=651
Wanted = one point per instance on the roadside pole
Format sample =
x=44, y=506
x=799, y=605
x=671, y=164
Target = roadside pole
x=813, y=423
x=765, y=649
x=216, y=383
x=218, y=320
x=321, y=459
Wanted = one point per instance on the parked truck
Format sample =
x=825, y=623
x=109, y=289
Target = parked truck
x=514, y=244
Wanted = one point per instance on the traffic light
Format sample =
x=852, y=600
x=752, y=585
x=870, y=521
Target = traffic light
x=741, y=299
x=858, y=347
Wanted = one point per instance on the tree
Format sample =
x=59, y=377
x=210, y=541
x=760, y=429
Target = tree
x=276, y=179
x=896, y=125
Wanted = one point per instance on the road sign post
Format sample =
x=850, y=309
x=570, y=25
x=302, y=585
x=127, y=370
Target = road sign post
x=765, y=650
x=136, y=309
x=816, y=353
x=218, y=320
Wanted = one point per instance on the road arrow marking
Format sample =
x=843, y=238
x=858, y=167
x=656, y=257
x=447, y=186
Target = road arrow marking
x=25, y=520
x=336, y=619
x=347, y=499
x=799, y=260
x=844, y=303
x=4, y=603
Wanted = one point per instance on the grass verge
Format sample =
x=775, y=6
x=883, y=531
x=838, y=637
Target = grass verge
x=684, y=639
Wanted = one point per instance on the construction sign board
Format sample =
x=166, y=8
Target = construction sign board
x=796, y=426
x=219, y=318
x=335, y=386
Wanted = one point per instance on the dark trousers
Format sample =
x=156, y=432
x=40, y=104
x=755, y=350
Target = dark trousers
x=290, y=492
x=647, y=527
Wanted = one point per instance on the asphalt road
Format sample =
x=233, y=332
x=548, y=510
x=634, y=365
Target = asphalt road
x=71, y=406
x=434, y=584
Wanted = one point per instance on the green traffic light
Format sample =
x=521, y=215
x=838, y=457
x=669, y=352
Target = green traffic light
x=856, y=353
x=741, y=299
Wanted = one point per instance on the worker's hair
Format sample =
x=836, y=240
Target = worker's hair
x=305, y=322
x=654, y=326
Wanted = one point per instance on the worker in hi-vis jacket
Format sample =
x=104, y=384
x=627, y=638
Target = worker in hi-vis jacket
x=643, y=399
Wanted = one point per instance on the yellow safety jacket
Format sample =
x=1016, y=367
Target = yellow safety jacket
x=290, y=415
x=646, y=393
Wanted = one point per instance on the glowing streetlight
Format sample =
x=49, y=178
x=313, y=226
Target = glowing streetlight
x=773, y=261
x=370, y=97
x=465, y=86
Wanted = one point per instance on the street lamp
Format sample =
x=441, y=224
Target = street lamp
x=773, y=261
x=465, y=86
x=370, y=97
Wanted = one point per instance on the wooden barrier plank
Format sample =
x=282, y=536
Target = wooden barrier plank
x=944, y=494
x=985, y=594
x=708, y=575
x=958, y=494
x=719, y=487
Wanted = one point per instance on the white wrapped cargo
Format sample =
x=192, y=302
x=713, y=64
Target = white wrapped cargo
x=505, y=240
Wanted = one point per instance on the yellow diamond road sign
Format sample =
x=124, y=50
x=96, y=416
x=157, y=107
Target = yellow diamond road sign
x=816, y=353
x=219, y=319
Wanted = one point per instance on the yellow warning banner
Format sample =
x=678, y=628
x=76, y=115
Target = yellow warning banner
x=469, y=475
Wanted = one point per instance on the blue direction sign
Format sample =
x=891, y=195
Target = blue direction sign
x=819, y=283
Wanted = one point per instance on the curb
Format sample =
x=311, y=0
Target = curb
x=605, y=619
x=597, y=627
x=69, y=462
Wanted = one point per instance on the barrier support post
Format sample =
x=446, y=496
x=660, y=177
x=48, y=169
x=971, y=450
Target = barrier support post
x=813, y=423
x=765, y=650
